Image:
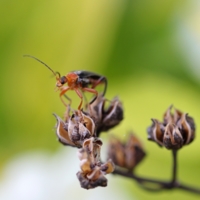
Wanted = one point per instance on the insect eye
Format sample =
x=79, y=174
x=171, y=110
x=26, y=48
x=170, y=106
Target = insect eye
x=63, y=80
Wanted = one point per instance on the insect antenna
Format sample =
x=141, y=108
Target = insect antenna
x=55, y=73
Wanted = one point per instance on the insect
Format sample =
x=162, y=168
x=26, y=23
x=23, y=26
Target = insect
x=79, y=81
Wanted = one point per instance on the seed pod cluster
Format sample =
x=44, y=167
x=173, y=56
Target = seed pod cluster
x=81, y=129
x=176, y=130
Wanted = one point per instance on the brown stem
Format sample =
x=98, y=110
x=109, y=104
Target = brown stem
x=174, y=169
x=155, y=185
x=141, y=180
x=189, y=188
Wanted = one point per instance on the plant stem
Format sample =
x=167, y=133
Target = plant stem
x=174, y=168
x=155, y=185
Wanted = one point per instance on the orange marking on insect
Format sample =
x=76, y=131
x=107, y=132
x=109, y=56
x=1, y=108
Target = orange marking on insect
x=72, y=79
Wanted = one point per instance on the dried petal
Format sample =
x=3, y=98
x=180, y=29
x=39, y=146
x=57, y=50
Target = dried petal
x=155, y=132
x=94, y=174
x=113, y=115
x=73, y=129
x=134, y=152
x=82, y=154
x=168, y=117
x=86, y=163
x=83, y=131
x=187, y=127
x=62, y=133
x=108, y=167
x=172, y=137
x=93, y=147
x=172, y=118
x=96, y=109
x=177, y=115
x=88, y=184
x=89, y=124
x=85, y=166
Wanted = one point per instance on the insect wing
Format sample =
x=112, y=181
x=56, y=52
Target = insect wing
x=87, y=74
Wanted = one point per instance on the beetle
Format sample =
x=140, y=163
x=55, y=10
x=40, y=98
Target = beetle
x=79, y=81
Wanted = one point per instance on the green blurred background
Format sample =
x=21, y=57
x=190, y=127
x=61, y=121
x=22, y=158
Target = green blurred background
x=148, y=50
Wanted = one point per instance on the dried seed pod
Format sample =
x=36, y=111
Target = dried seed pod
x=176, y=130
x=127, y=155
x=105, y=118
x=92, y=170
x=75, y=130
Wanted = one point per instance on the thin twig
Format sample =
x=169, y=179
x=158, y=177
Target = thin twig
x=157, y=185
x=140, y=180
x=189, y=188
x=174, y=169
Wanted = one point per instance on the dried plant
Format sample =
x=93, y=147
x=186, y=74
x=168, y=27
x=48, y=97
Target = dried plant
x=82, y=128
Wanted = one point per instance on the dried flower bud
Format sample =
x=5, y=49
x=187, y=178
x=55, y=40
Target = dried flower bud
x=126, y=155
x=105, y=118
x=92, y=170
x=75, y=129
x=176, y=130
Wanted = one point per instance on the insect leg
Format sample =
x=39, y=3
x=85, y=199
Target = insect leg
x=99, y=81
x=67, y=98
x=63, y=91
x=81, y=96
x=91, y=91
